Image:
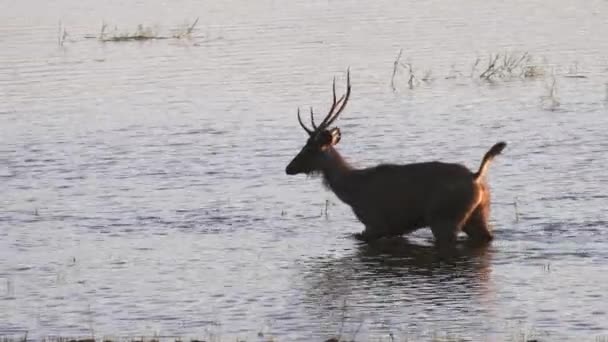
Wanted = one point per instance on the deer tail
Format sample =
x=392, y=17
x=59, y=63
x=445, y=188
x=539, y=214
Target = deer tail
x=487, y=158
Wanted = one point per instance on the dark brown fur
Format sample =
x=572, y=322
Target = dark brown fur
x=392, y=200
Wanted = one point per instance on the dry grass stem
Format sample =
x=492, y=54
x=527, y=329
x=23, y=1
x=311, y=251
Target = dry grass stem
x=411, y=80
x=550, y=101
x=62, y=34
x=516, y=210
x=507, y=66
x=395, y=69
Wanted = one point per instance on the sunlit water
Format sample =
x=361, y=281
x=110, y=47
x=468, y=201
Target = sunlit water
x=143, y=186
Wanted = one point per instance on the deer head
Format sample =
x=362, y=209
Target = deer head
x=321, y=138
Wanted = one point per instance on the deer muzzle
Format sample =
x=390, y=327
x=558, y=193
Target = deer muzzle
x=290, y=169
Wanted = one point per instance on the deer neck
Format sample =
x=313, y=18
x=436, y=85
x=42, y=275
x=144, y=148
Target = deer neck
x=336, y=175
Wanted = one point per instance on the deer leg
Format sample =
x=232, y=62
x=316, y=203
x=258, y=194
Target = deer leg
x=445, y=232
x=369, y=235
x=477, y=227
x=446, y=227
x=449, y=212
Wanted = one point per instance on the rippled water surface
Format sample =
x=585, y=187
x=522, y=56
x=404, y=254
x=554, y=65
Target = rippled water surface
x=143, y=185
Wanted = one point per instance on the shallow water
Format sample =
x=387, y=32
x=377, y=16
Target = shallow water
x=143, y=186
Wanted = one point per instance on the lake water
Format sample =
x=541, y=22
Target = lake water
x=143, y=184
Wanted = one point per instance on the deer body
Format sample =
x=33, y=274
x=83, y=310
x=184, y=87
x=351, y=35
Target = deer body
x=391, y=199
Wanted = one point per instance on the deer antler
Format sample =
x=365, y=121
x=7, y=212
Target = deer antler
x=302, y=124
x=333, y=113
x=312, y=119
x=337, y=107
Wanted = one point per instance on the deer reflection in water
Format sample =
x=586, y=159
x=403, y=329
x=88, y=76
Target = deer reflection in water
x=398, y=278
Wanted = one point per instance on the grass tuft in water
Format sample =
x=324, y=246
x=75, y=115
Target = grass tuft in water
x=187, y=32
x=509, y=65
x=143, y=33
x=499, y=66
x=412, y=80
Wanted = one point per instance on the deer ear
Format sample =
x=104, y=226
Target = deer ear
x=335, y=135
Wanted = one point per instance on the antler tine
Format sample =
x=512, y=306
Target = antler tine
x=312, y=119
x=333, y=104
x=333, y=88
x=343, y=100
x=302, y=124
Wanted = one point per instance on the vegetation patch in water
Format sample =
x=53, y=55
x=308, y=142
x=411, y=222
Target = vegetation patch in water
x=142, y=33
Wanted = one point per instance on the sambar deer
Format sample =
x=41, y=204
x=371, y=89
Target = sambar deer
x=392, y=200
